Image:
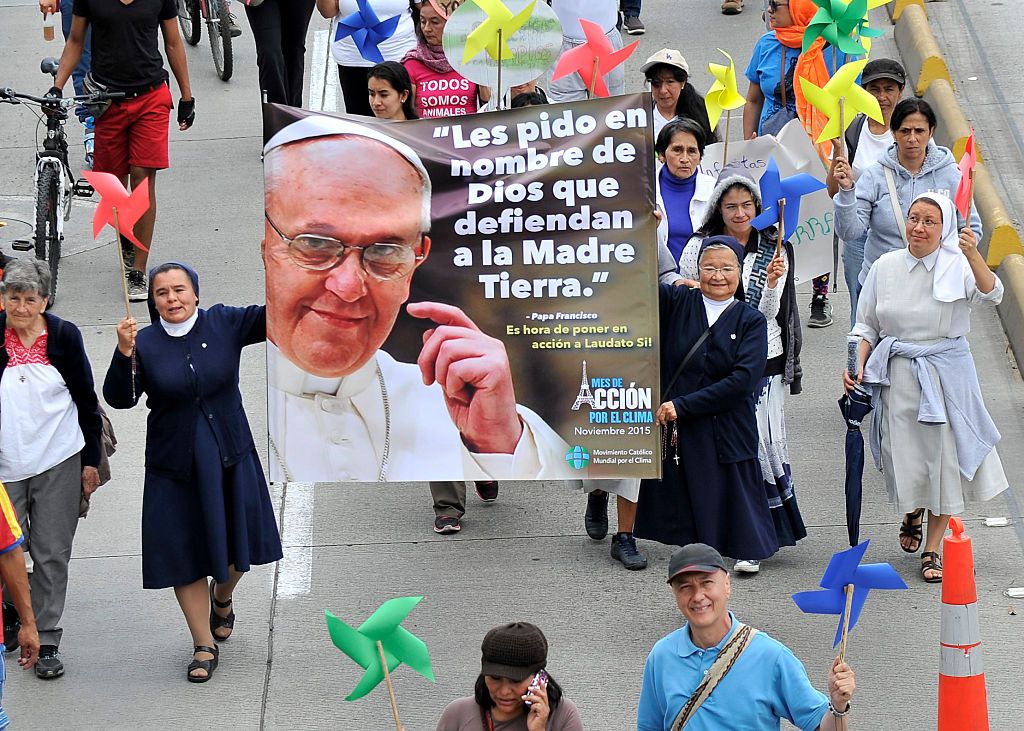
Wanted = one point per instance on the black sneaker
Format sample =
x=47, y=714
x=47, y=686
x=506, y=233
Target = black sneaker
x=487, y=491
x=445, y=524
x=233, y=28
x=633, y=25
x=596, y=518
x=624, y=549
x=138, y=289
x=821, y=312
x=49, y=664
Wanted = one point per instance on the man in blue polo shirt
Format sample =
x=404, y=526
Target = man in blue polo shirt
x=765, y=682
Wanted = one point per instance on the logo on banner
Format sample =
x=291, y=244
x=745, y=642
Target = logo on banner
x=612, y=401
x=577, y=457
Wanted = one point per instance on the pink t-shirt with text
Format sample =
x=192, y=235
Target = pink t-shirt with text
x=441, y=95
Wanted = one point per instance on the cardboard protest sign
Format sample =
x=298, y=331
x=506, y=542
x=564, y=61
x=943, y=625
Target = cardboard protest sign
x=793, y=153
x=466, y=298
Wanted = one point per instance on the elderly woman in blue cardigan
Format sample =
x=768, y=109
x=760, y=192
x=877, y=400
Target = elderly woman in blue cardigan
x=206, y=509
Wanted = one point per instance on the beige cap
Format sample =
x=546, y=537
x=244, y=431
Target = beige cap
x=669, y=57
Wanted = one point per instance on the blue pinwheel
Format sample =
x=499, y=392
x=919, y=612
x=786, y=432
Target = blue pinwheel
x=845, y=569
x=367, y=30
x=774, y=189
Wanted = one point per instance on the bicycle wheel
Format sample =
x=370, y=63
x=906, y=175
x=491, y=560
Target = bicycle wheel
x=220, y=38
x=47, y=235
x=189, y=21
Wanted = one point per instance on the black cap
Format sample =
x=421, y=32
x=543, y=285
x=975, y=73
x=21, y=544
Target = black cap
x=883, y=68
x=515, y=651
x=695, y=557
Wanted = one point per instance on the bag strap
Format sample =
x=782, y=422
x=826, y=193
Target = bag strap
x=894, y=201
x=719, y=669
x=782, y=75
x=686, y=359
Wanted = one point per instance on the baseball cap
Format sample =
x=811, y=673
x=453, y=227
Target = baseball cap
x=669, y=57
x=883, y=68
x=515, y=651
x=695, y=557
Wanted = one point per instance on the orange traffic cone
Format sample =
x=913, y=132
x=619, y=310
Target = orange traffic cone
x=963, y=701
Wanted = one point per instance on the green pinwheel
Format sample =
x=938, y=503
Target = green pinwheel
x=381, y=634
x=842, y=88
x=864, y=31
x=836, y=21
x=486, y=36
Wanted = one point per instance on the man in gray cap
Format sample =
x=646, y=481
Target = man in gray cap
x=717, y=673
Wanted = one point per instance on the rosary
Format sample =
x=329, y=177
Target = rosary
x=670, y=439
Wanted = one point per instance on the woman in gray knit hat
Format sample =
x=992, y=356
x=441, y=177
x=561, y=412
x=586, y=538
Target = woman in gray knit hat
x=513, y=691
x=768, y=285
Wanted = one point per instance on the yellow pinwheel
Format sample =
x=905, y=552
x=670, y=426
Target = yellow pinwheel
x=723, y=94
x=841, y=89
x=486, y=36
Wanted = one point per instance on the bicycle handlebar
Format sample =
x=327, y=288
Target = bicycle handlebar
x=10, y=95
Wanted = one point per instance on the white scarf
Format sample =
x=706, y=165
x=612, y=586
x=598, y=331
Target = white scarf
x=948, y=284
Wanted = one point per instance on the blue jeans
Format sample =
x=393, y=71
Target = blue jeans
x=78, y=75
x=853, y=260
x=630, y=7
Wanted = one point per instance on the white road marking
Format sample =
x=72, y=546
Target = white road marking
x=323, y=75
x=296, y=570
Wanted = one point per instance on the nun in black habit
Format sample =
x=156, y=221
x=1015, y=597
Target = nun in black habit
x=714, y=349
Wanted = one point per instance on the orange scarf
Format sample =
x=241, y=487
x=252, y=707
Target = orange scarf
x=810, y=66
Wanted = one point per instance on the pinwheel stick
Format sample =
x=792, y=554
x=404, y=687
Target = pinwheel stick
x=782, y=226
x=595, y=77
x=120, y=261
x=725, y=149
x=500, y=54
x=846, y=621
x=391, y=690
x=842, y=126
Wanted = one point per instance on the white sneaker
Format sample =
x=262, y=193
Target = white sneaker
x=747, y=567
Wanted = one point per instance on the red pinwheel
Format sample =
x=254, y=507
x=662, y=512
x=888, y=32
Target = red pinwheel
x=593, y=60
x=965, y=190
x=129, y=206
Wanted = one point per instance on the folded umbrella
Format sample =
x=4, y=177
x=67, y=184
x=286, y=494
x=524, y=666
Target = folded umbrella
x=854, y=406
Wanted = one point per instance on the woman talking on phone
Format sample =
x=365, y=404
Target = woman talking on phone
x=513, y=691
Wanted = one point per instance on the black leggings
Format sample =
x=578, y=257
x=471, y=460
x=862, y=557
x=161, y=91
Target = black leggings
x=353, y=89
x=279, y=29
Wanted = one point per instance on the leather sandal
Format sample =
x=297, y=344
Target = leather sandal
x=911, y=528
x=216, y=621
x=208, y=665
x=930, y=561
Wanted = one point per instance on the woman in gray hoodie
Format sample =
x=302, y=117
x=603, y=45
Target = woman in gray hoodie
x=913, y=165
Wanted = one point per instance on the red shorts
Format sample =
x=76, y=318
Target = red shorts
x=133, y=133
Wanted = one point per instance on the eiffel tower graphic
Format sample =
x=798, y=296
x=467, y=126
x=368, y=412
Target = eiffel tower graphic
x=585, y=397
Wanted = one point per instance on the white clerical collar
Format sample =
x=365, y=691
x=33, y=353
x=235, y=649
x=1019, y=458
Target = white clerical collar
x=180, y=329
x=285, y=376
x=928, y=261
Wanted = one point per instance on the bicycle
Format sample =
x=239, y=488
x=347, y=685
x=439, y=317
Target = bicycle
x=55, y=183
x=191, y=13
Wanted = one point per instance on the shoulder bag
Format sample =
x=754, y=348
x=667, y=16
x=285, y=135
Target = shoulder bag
x=894, y=201
x=718, y=670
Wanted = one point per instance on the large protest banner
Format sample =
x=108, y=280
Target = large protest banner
x=794, y=153
x=494, y=312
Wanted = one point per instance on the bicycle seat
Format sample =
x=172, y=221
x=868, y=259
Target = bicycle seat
x=49, y=65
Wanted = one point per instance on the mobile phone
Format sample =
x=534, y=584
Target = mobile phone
x=541, y=676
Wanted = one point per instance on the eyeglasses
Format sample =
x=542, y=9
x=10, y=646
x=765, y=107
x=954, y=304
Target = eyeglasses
x=926, y=222
x=321, y=253
x=709, y=271
x=774, y=6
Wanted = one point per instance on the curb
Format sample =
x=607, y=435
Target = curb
x=919, y=49
x=896, y=7
x=953, y=128
x=1011, y=309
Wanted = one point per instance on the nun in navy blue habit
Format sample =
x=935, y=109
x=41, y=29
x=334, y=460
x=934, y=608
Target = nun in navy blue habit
x=711, y=491
x=206, y=508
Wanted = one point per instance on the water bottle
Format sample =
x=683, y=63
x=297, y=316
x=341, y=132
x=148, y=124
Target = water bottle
x=48, y=23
